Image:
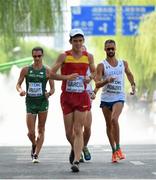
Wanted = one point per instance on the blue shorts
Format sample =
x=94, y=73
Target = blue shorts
x=109, y=105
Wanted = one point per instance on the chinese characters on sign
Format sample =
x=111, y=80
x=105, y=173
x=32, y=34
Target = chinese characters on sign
x=101, y=20
x=95, y=20
x=131, y=16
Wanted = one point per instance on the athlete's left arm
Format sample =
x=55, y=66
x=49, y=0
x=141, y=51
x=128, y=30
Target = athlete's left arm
x=91, y=66
x=51, y=83
x=130, y=76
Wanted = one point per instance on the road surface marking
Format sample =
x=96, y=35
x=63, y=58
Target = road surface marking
x=137, y=163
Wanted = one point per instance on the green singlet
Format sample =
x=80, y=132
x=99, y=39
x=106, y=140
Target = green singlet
x=36, y=81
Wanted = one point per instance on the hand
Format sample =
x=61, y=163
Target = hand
x=87, y=79
x=110, y=79
x=133, y=90
x=22, y=93
x=51, y=92
x=47, y=94
x=72, y=76
x=93, y=95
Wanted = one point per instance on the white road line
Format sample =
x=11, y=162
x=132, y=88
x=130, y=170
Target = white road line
x=107, y=150
x=137, y=163
x=154, y=173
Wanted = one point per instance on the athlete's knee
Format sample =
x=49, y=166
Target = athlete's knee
x=114, y=121
x=78, y=131
x=87, y=130
x=41, y=131
x=31, y=133
x=69, y=133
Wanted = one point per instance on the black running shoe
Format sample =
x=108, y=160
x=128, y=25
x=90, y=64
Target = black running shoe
x=33, y=150
x=71, y=157
x=75, y=166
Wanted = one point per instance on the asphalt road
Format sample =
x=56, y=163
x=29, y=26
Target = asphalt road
x=140, y=163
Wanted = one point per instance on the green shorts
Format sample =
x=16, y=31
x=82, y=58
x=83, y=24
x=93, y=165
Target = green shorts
x=35, y=106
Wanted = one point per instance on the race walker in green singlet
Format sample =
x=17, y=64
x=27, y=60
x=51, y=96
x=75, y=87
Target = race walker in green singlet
x=36, y=77
x=36, y=87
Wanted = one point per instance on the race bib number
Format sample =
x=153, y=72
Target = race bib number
x=76, y=85
x=114, y=87
x=35, y=89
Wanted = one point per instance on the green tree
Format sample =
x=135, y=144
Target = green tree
x=145, y=53
x=21, y=17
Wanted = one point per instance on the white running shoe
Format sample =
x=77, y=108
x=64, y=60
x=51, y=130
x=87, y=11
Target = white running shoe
x=35, y=159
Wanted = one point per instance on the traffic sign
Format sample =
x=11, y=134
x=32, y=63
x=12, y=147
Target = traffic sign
x=131, y=16
x=94, y=20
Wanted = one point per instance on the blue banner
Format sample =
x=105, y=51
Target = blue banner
x=94, y=20
x=131, y=16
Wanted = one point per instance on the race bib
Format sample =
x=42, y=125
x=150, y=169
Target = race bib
x=76, y=85
x=35, y=89
x=114, y=87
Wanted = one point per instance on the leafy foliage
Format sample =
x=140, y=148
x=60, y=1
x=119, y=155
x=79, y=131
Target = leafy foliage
x=145, y=56
x=21, y=56
x=20, y=17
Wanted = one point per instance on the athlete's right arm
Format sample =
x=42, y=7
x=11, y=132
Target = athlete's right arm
x=58, y=64
x=99, y=82
x=98, y=78
x=20, y=81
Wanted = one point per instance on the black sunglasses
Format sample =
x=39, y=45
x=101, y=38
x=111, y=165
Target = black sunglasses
x=35, y=56
x=108, y=49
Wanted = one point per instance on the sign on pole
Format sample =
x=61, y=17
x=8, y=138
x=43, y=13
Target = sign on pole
x=131, y=16
x=94, y=20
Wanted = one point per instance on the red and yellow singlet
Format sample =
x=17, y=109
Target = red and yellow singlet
x=74, y=95
x=72, y=65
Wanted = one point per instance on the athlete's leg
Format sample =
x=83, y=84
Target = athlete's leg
x=110, y=131
x=68, y=124
x=31, y=120
x=116, y=111
x=87, y=128
x=86, y=137
x=42, y=116
x=68, y=115
x=79, y=118
x=109, y=126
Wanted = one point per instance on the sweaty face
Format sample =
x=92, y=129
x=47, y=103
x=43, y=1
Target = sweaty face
x=110, y=49
x=77, y=42
x=37, y=55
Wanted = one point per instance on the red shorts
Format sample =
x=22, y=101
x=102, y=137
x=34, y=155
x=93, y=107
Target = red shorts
x=75, y=101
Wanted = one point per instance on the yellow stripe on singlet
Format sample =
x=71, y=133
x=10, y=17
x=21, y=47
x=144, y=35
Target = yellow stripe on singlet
x=71, y=59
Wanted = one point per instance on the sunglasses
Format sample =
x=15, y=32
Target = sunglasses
x=108, y=49
x=35, y=56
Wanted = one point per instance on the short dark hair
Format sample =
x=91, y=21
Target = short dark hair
x=37, y=49
x=109, y=41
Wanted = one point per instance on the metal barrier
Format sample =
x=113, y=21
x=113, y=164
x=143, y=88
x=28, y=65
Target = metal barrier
x=20, y=63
